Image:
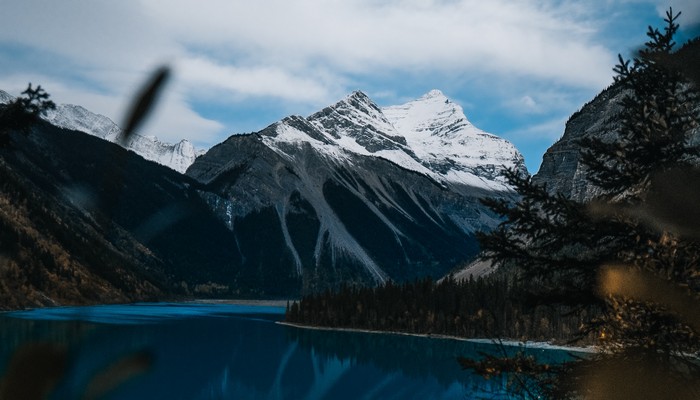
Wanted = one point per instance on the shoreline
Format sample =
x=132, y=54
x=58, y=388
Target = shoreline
x=505, y=342
x=244, y=302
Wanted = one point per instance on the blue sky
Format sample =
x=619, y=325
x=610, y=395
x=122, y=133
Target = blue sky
x=518, y=68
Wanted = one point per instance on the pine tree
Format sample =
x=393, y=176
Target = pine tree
x=21, y=113
x=558, y=245
x=657, y=118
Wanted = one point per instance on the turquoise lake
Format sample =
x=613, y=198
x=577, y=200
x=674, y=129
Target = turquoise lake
x=222, y=351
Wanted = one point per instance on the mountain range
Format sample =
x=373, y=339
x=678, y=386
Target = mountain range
x=353, y=194
x=178, y=156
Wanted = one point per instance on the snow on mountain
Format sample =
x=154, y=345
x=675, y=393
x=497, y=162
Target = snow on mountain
x=358, y=194
x=78, y=118
x=439, y=133
x=335, y=199
x=430, y=135
x=178, y=156
x=5, y=97
x=358, y=125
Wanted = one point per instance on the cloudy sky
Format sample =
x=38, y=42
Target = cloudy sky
x=518, y=68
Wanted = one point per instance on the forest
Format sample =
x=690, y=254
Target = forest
x=494, y=307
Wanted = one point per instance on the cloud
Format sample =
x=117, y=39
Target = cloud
x=528, y=38
x=306, y=51
x=551, y=129
x=524, y=105
x=543, y=101
x=101, y=39
x=174, y=119
x=264, y=81
x=690, y=11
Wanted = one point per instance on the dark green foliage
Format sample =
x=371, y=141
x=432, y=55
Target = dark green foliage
x=20, y=114
x=560, y=245
x=484, y=308
x=522, y=369
x=657, y=119
x=554, y=243
x=255, y=269
x=50, y=251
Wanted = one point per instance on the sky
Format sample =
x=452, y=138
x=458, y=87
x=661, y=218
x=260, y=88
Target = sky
x=518, y=68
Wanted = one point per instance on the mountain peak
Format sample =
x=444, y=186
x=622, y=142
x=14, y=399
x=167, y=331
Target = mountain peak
x=357, y=117
x=431, y=114
x=440, y=135
x=429, y=135
x=5, y=97
x=178, y=156
x=359, y=101
x=435, y=93
x=359, y=95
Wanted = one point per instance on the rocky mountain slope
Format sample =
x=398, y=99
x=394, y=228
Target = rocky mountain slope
x=354, y=195
x=561, y=169
x=178, y=156
x=97, y=223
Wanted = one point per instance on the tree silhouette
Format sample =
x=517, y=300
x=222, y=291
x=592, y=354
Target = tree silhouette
x=21, y=113
x=568, y=250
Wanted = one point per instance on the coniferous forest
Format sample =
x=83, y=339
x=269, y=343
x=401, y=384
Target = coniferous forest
x=495, y=307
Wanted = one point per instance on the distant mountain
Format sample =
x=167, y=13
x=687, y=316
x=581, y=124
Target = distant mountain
x=177, y=156
x=83, y=220
x=5, y=97
x=353, y=194
x=356, y=193
x=561, y=169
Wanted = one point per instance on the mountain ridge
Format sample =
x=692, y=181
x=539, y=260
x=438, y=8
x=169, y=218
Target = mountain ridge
x=304, y=205
x=442, y=148
x=424, y=157
x=177, y=156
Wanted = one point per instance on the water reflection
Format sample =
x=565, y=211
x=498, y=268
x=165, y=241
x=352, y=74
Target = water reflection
x=225, y=352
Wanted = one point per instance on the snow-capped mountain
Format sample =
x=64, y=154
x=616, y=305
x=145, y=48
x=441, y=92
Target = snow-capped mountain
x=178, y=156
x=5, y=97
x=344, y=196
x=430, y=135
x=441, y=137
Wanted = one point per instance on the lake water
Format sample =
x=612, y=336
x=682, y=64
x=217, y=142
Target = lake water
x=220, y=351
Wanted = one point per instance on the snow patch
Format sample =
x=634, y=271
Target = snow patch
x=430, y=135
x=178, y=156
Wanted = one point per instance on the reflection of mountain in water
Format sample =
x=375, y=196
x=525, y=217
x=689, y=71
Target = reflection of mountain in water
x=416, y=357
x=217, y=353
